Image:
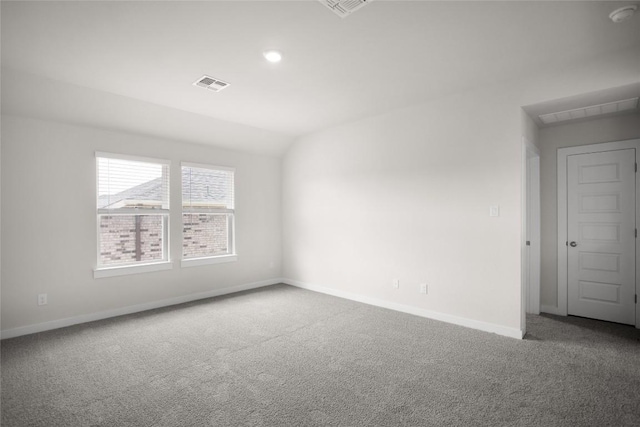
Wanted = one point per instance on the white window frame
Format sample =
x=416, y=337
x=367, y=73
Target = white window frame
x=213, y=259
x=101, y=271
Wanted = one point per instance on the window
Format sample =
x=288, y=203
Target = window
x=132, y=210
x=207, y=213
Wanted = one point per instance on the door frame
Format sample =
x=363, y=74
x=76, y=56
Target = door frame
x=531, y=228
x=563, y=154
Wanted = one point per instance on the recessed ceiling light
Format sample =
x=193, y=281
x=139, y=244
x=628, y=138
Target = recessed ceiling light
x=272, y=55
x=623, y=13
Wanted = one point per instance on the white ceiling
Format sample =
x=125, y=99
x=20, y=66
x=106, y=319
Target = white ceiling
x=388, y=55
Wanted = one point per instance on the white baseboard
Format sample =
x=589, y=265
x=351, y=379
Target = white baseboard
x=61, y=323
x=550, y=309
x=461, y=321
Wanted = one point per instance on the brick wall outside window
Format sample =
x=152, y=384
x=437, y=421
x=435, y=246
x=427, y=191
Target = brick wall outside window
x=119, y=243
x=204, y=235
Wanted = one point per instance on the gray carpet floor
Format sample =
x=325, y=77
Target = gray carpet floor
x=282, y=356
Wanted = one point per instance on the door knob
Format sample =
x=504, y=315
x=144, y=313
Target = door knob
x=573, y=244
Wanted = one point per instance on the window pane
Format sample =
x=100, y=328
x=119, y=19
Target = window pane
x=207, y=188
x=128, y=184
x=205, y=235
x=128, y=239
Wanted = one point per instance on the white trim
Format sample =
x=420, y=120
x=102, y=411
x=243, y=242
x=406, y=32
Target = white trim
x=132, y=158
x=195, y=262
x=124, y=270
x=207, y=211
x=563, y=153
x=205, y=166
x=61, y=323
x=524, y=272
x=531, y=217
x=562, y=234
x=550, y=309
x=448, y=318
x=529, y=231
x=133, y=211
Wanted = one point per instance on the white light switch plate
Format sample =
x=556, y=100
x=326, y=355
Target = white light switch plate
x=494, y=210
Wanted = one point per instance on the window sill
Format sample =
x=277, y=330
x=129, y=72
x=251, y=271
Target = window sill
x=194, y=262
x=99, y=273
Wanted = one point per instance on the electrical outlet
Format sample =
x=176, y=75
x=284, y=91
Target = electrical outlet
x=424, y=289
x=396, y=283
x=42, y=299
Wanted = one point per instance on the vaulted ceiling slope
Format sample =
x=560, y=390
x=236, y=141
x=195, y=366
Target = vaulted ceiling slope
x=388, y=55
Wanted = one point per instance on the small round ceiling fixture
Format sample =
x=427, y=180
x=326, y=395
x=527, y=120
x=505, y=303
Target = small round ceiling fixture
x=623, y=13
x=272, y=55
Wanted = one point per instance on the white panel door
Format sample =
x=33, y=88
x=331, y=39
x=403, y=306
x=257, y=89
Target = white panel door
x=601, y=235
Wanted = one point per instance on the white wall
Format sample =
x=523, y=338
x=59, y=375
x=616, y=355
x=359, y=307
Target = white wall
x=406, y=195
x=49, y=222
x=551, y=138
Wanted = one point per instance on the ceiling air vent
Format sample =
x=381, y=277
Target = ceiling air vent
x=344, y=8
x=590, y=111
x=211, y=83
